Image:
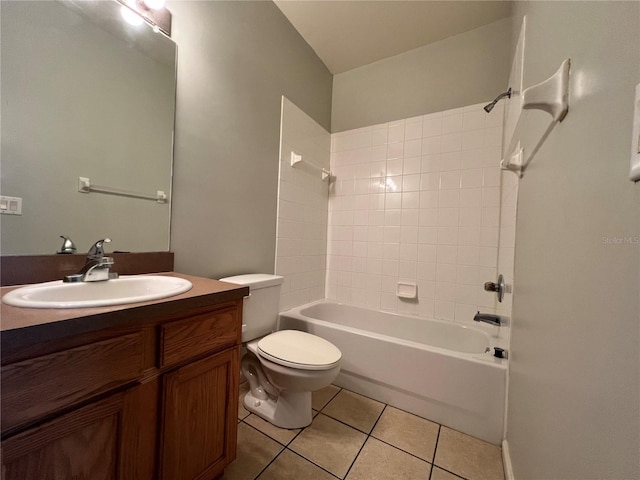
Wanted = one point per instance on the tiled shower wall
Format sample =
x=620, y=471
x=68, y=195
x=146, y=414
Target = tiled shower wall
x=418, y=201
x=301, y=245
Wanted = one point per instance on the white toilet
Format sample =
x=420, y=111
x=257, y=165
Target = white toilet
x=284, y=367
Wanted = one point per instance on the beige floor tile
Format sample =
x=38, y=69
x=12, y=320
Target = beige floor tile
x=468, y=457
x=439, y=474
x=330, y=444
x=243, y=412
x=281, y=435
x=255, y=451
x=355, y=410
x=379, y=461
x=407, y=432
x=289, y=466
x=320, y=398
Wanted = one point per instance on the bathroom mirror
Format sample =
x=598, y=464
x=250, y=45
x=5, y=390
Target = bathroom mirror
x=84, y=94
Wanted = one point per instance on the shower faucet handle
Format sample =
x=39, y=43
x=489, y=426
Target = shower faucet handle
x=491, y=287
x=498, y=287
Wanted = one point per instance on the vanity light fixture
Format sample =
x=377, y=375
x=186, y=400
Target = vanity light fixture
x=135, y=12
x=153, y=4
x=131, y=17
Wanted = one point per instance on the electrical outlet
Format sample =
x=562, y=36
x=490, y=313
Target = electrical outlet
x=10, y=205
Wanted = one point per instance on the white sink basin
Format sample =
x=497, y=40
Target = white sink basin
x=126, y=289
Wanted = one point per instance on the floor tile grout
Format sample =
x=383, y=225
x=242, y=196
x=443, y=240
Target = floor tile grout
x=365, y=441
x=435, y=449
x=286, y=446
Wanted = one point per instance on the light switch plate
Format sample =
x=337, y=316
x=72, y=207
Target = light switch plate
x=634, y=174
x=10, y=205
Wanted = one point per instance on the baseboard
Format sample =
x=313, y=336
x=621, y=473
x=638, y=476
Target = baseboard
x=506, y=461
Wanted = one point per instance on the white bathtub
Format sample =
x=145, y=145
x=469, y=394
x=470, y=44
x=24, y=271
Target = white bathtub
x=438, y=370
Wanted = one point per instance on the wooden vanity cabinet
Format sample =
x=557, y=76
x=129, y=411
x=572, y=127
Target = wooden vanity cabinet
x=112, y=438
x=153, y=401
x=199, y=420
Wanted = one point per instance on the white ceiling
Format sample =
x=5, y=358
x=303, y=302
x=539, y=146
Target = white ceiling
x=350, y=33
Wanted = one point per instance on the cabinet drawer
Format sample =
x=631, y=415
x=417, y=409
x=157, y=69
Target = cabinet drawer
x=40, y=386
x=192, y=336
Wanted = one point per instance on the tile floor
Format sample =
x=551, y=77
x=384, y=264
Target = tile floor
x=356, y=438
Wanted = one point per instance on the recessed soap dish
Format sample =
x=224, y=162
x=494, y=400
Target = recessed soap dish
x=407, y=290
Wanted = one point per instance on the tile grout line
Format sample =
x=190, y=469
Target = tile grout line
x=402, y=450
x=368, y=436
x=274, y=458
x=286, y=447
x=435, y=449
x=312, y=462
x=384, y=441
x=365, y=441
x=433, y=464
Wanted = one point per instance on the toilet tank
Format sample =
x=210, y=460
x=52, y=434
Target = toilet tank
x=261, y=307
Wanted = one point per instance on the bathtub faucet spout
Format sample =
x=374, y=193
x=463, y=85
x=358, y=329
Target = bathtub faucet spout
x=491, y=319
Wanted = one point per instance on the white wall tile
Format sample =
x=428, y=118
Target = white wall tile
x=432, y=126
x=450, y=179
x=411, y=183
x=431, y=145
x=303, y=209
x=444, y=310
x=448, y=217
x=473, y=158
x=449, y=198
x=471, y=178
x=451, y=142
x=452, y=123
x=395, y=150
x=396, y=132
x=469, y=236
x=474, y=120
x=413, y=148
x=428, y=235
x=427, y=253
x=410, y=216
x=447, y=254
x=413, y=129
x=408, y=234
x=430, y=163
x=422, y=200
x=448, y=235
x=411, y=164
x=491, y=177
x=450, y=161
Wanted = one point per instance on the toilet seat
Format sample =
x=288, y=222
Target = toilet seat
x=295, y=349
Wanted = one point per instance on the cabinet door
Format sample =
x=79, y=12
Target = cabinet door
x=105, y=440
x=199, y=420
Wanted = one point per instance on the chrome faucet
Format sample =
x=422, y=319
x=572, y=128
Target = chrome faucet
x=491, y=319
x=96, y=267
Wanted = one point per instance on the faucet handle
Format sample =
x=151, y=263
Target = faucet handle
x=67, y=245
x=498, y=287
x=96, y=252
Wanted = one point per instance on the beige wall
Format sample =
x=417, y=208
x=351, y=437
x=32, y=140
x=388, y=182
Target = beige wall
x=465, y=69
x=574, y=406
x=235, y=61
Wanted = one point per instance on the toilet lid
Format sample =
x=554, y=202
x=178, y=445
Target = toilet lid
x=292, y=348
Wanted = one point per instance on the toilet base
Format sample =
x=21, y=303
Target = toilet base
x=290, y=410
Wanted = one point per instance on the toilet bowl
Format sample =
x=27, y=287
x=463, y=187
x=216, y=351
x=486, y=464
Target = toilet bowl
x=282, y=367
